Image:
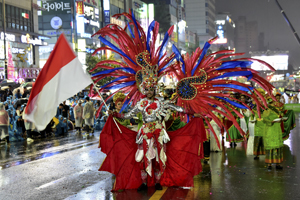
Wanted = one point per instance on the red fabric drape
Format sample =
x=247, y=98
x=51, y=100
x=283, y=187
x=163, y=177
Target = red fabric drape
x=183, y=155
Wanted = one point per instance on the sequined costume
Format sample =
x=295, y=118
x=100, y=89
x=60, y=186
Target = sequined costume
x=152, y=136
x=200, y=78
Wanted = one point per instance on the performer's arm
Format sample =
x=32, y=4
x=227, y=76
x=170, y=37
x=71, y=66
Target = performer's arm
x=128, y=115
x=179, y=109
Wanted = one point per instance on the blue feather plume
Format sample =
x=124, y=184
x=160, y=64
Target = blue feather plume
x=130, y=30
x=179, y=57
x=230, y=74
x=106, y=42
x=150, y=29
x=121, y=85
x=115, y=80
x=134, y=21
x=167, y=65
x=234, y=64
x=125, y=105
x=233, y=103
x=204, y=51
x=127, y=69
x=163, y=45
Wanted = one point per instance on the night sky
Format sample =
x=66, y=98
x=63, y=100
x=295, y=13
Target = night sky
x=278, y=34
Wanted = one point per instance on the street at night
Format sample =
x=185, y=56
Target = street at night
x=67, y=168
x=149, y=99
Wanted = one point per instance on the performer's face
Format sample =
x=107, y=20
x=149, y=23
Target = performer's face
x=119, y=105
x=243, y=99
x=278, y=98
x=149, y=93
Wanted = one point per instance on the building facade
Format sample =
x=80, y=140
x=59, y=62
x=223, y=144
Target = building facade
x=200, y=18
x=77, y=20
x=225, y=31
x=22, y=40
x=246, y=36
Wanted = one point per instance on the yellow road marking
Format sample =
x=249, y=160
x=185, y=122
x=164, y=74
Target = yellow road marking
x=158, y=194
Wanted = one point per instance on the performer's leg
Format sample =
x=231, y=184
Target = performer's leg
x=157, y=173
x=206, y=149
x=143, y=186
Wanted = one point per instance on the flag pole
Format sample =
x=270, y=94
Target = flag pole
x=106, y=105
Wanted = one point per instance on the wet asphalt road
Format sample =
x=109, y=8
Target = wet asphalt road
x=67, y=168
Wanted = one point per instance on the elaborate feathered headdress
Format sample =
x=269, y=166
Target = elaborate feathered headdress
x=139, y=57
x=203, y=81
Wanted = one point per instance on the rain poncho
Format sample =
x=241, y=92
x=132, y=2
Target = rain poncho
x=78, y=112
x=61, y=126
x=88, y=113
x=4, y=122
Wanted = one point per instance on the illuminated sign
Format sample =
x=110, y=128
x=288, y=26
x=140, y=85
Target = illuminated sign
x=106, y=17
x=220, y=22
x=86, y=35
x=17, y=50
x=81, y=44
x=89, y=11
x=279, y=62
x=151, y=12
x=91, y=22
x=25, y=15
x=27, y=39
x=61, y=6
x=80, y=24
x=96, y=12
x=56, y=22
x=220, y=41
x=9, y=37
x=56, y=33
x=106, y=5
x=106, y=8
x=117, y=21
x=220, y=33
x=45, y=49
x=79, y=7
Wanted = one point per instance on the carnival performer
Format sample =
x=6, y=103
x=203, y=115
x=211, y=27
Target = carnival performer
x=118, y=100
x=246, y=113
x=273, y=142
x=165, y=158
x=88, y=115
x=288, y=122
x=152, y=137
x=259, y=129
x=78, y=114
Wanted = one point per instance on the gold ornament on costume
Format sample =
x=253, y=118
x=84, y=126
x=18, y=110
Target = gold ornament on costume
x=147, y=77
